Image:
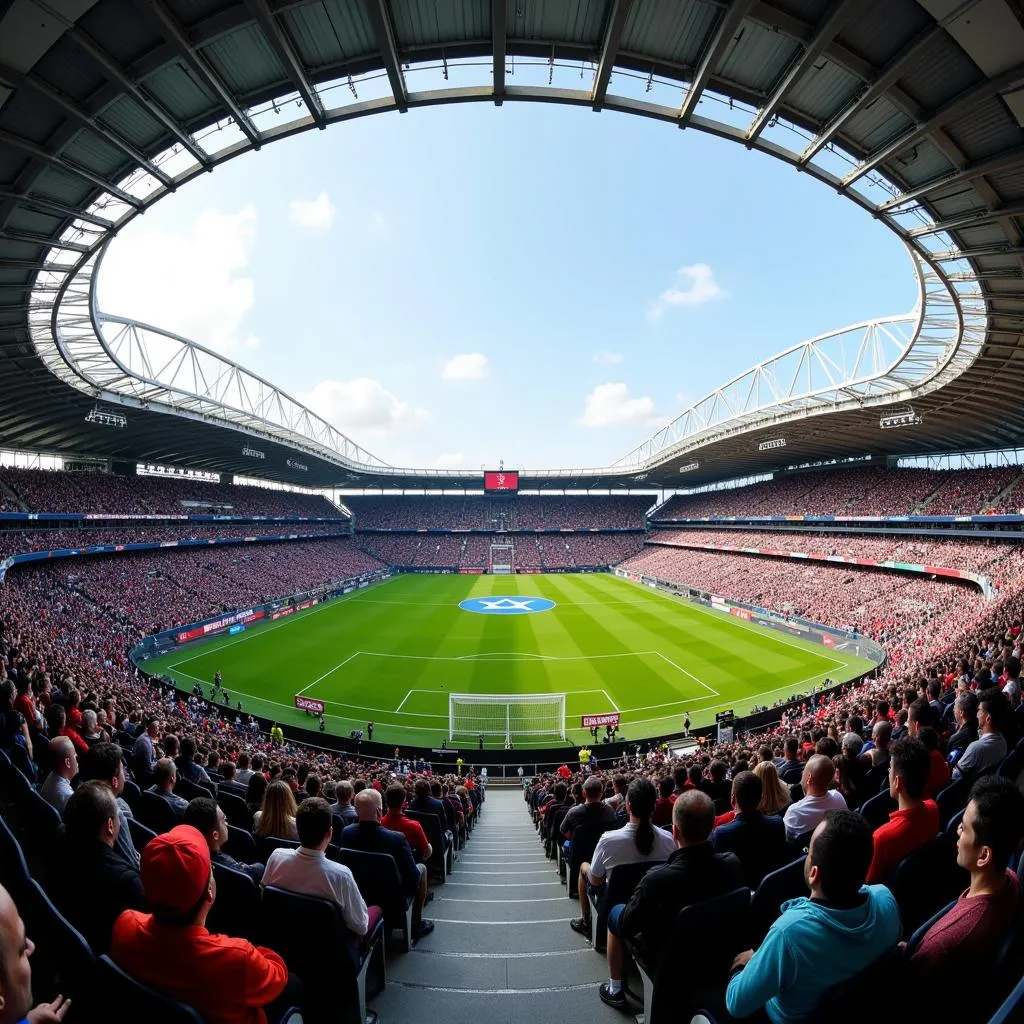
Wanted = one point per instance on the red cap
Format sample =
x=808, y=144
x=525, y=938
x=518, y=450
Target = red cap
x=176, y=870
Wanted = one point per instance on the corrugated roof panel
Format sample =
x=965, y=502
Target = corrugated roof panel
x=70, y=72
x=62, y=186
x=944, y=74
x=671, y=30
x=22, y=219
x=989, y=234
x=986, y=129
x=313, y=37
x=810, y=11
x=876, y=123
x=93, y=151
x=758, y=58
x=420, y=23
x=953, y=204
x=30, y=117
x=179, y=93
x=343, y=25
x=131, y=122
x=882, y=29
x=125, y=30
x=824, y=89
x=245, y=61
x=188, y=12
x=920, y=163
x=1009, y=184
x=569, y=21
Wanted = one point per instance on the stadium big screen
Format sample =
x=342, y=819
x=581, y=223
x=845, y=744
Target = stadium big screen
x=500, y=481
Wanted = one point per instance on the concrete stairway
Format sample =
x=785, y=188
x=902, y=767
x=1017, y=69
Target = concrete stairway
x=502, y=951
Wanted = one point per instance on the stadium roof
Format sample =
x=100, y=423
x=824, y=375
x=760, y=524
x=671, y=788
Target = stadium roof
x=911, y=108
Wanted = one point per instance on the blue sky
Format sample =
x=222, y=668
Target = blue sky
x=539, y=284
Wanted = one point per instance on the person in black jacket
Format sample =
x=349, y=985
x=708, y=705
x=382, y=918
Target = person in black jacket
x=693, y=873
x=205, y=816
x=758, y=840
x=97, y=882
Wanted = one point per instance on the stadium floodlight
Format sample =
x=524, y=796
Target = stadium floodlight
x=106, y=417
x=778, y=442
x=905, y=418
x=689, y=467
x=508, y=715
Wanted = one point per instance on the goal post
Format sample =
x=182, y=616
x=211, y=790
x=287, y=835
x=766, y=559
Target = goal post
x=507, y=715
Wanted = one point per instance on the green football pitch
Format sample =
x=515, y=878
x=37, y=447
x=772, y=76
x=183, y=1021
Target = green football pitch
x=393, y=653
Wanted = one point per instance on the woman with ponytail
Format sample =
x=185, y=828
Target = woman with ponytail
x=638, y=840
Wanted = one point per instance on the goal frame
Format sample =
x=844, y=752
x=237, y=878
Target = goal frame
x=509, y=700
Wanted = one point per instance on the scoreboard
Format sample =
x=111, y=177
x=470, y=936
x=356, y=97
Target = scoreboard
x=501, y=481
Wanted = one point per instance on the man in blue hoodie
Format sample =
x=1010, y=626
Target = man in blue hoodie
x=820, y=941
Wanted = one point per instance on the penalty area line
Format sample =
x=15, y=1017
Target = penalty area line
x=680, y=668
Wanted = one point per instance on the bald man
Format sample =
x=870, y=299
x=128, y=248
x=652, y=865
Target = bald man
x=56, y=789
x=368, y=834
x=16, y=972
x=803, y=817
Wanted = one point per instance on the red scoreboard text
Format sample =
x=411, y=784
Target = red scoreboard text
x=501, y=480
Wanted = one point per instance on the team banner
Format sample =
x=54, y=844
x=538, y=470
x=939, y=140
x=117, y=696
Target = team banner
x=308, y=704
x=589, y=721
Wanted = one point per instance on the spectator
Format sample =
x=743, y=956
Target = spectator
x=662, y=815
x=964, y=941
x=144, y=752
x=793, y=769
x=851, y=771
x=243, y=773
x=396, y=821
x=693, y=872
x=164, y=777
x=592, y=810
x=938, y=767
x=344, y=809
x=915, y=821
x=803, y=816
x=990, y=746
x=757, y=840
x=818, y=942
x=187, y=765
x=56, y=788
x=226, y=980
x=206, y=817
x=368, y=834
x=424, y=803
x=775, y=796
x=965, y=715
x=103, y=762
x=16, y=973
x=637, y=841
x=276, y=818
x=103, y=882
x=307, y=869
x=255, y=792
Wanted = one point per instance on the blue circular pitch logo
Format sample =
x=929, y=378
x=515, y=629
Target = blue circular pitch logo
x=501, y=605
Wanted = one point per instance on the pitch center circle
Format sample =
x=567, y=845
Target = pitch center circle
x=506, y=604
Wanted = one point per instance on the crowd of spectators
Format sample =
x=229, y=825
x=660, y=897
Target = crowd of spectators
x=861, y=491
x=522, y=512
x=43, y=490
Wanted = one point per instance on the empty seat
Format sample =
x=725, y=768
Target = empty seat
x=785, y=883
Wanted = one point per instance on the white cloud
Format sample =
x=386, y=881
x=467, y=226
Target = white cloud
x=694, y=286
x=611, y=405
x=193, y=281
x=315, y=214
x=468, y=366
x=361, y=405
x=608, y=358
x=450, y=460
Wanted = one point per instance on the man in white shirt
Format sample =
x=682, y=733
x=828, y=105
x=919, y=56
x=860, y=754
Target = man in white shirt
x=803, y=816
x=308, y=871
x=990, y=746
x=56, y=788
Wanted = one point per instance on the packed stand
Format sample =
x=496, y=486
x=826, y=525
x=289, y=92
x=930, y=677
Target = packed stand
x=58, y=491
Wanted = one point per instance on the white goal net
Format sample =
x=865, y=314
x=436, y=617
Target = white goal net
x=506, y=715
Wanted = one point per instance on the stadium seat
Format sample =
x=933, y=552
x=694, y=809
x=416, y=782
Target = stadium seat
x=785, y=883
x=842, y=1004
x=377, y=878
x=622, y=880
x=1012, y=1010
x=141, y=835
x=1013, y=763
x=235, y=809
x=131, y=795
x=722, y=924
x=63, y=962
x=554, y=836
x=156, y=813
x=190, y=790
x=922, y=929
x=952, y=798
x=122, y=990
x=441, y=859
x=334, y=967
x=584, y=842
x=924, y=881
x=236, y=911
x=266, y=845
x=14, y=875
x=876, y=811
x=241, y=845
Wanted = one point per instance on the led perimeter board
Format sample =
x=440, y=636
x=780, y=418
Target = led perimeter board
x=500, y=481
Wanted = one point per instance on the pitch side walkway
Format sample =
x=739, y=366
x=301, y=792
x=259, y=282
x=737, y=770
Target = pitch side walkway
x=502, y=952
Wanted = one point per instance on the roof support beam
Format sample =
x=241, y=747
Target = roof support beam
x=148, y=104
x=949, y=255
x=65, y=165
x=499, y=17
x=282, y=46
x=1005, y=82
x=715, y=50
x=826, y=30
x=971, y=219
x=86, y=120
x=206, y=76
x=889, y=75
x=45, y=205
x=991, y=165
x=51, y=243
x=379, y=14
x=617, y=15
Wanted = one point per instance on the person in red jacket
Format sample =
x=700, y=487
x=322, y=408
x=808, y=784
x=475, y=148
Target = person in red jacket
x=226, y=980
x=915, y=822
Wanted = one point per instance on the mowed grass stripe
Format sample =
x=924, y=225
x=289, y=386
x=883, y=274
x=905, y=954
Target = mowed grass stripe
x=435, y=647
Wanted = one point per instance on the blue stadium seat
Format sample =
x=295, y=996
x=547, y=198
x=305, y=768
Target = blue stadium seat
x=146, y=1003
x=63, y=962
x=876, y=811
x=379, y=883
x=236, y=911
x=622, y=881
x=785, y=883
x=241, y=845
